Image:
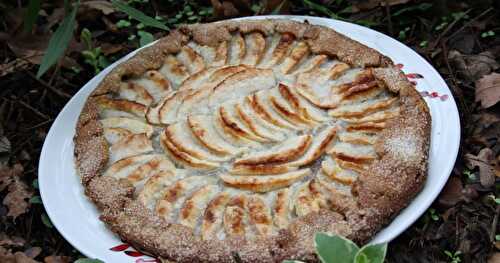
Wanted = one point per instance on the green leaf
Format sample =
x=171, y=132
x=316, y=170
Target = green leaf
x=58, y=42
x=371, y=254
x=88, y=260
x=420, y=7
x=335, y=248
x=36, y=200
x=145, y=38
x=46, y=221
x=31, y=15
x=35, y=183
x=86, y=37
x=292, y=261
x=123, y=23
x=103, y=61
x=138, y=15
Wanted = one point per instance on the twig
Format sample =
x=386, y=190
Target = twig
x=37, y=112
x=39, y=125
x=45, y=84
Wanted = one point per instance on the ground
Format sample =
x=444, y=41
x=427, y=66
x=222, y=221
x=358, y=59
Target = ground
x=461, y=39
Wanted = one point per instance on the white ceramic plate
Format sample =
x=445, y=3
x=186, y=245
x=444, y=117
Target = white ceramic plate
x=77, y=219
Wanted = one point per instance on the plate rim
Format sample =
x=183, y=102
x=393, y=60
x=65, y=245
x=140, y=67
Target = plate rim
x=43, y=165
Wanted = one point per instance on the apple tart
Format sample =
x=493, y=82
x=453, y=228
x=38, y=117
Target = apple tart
x=237, y=141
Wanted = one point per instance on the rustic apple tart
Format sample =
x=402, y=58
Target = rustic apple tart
x=237, y=141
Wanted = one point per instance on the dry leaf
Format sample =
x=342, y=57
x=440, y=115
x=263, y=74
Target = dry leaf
x=105, y=7
x=33, y=252
x=495, y=257
x=57, y=259
x=32, y=48
x=473, y=67
x=231, y=8
x=108, y=48
x=488, y=90
x=484, y=160
x=7, y=175
x=452, y=192
x=6, y=256
x=17, y=198
x=18, y=194
x=7, y=241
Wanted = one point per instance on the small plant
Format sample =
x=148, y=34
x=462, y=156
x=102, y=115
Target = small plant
x=424, y=44
x=337, y=249
x=403, y=33
x=93, y=55
x=453, y=257
x=488, y=33
x=433, y=214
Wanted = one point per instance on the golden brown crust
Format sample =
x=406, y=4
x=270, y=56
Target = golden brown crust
x=391, y=183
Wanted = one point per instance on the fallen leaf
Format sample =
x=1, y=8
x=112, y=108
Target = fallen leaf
x=494, y=258
x=17, y=198
x=18, y=194
x=488, y=90
x=231, y=8
x=486, y=130
x=484, y=160
x=108, y=48
x=473, y=67
x=452, y=192
x=32, y=48
x=7, y=241
x=6, y=256
x=7, y=175
x=33, y=252
x=105, y=7
x=57, y=259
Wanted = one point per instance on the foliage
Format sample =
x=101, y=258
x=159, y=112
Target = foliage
x=59, y=41
x=93, y=55
x=338, y=249
x=138, y=15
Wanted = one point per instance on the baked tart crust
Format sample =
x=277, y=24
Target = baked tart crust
x=239, y=140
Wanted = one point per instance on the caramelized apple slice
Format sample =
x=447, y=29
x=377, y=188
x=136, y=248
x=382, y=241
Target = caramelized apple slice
x=213, y=216
x=264, y=183
x=131, y=145
x=195, y=205
x=286, y=151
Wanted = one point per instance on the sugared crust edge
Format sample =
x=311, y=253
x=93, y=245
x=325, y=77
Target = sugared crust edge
x=389, y=187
